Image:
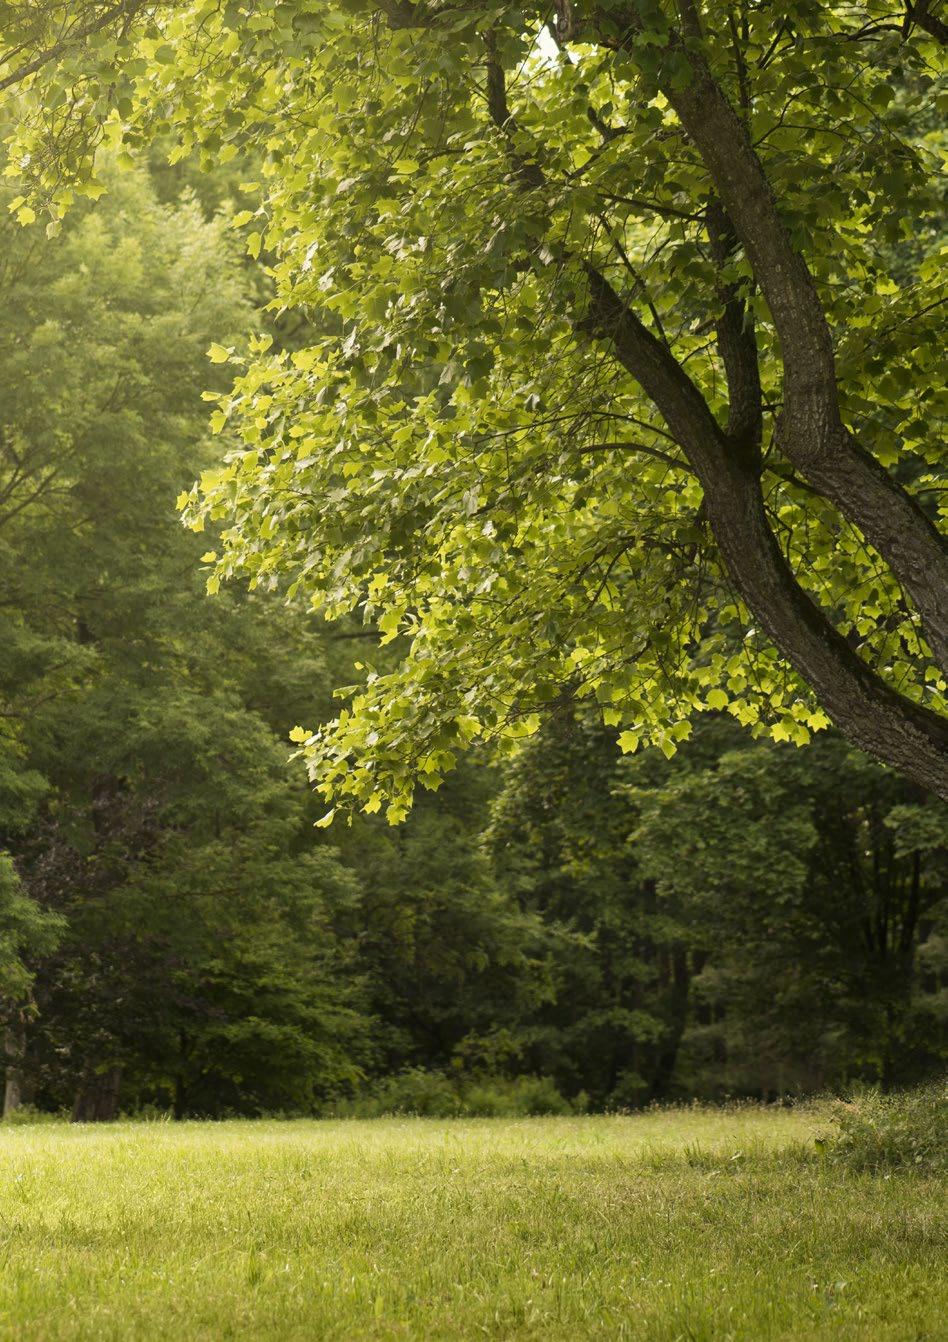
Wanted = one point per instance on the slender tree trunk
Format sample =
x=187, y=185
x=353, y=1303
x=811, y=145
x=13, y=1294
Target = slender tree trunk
x=180, y=1099
x=14, y=1048
x=888, y=1059
x=180, y=1095
x=678, y=1013
x=97, y=1097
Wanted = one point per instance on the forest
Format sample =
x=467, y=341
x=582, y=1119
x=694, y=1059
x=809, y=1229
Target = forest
x=473, y=670
x=561, y=928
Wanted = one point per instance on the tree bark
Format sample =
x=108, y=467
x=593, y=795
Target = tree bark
x=872, y=714
x=811, y=432
x=14, y=1048
x=737, y=343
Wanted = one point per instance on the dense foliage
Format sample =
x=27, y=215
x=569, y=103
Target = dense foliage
x=438, y=442
x=746, y=918
x=593, y=400
x=145, y=795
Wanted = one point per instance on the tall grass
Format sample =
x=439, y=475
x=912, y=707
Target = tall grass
x=880, y=1133
x=673, y=1226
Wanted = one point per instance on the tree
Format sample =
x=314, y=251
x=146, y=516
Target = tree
x=814, y=884
x=451, y=963
x=201, y=967
x=26, y=930
x=559, y=837
x=752, y=919
x=572, y=400
x=144, y=792
x=612, y=408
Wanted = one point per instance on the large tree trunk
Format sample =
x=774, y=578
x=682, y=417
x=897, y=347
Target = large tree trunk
x=865, y=707
x=874, y=716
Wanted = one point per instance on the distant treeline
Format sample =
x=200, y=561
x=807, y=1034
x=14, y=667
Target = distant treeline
x=746, y=918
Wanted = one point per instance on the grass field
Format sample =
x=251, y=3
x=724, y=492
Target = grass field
x=678, y=1225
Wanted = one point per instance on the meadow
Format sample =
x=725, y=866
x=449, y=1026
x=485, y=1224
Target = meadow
x=672, y=1225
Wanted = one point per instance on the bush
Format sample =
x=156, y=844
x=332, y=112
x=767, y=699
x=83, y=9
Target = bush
x=877, y=1132
x=414, y=1091
x=523, y=1097
x=28, y=1114
x=437, y=1095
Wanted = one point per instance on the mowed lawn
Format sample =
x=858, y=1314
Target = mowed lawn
x=669, y=1225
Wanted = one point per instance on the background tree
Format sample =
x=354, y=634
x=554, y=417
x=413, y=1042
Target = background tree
x=812, y=880
x=453, y=964
x=26, y=931
x=559, y=837
x=755, y=919
x=148, y=803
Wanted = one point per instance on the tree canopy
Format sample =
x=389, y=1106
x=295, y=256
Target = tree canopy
x=622, y=374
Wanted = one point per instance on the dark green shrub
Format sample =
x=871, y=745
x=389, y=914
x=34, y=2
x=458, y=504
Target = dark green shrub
x=522, y=1097
x=414, y=1091
x=440, y=1095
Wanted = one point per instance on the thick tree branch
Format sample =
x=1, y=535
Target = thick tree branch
x=737, y=343
x=873, y=715
x=811, y=432
x=529, y=173
x=921, y=14
x=867, y=709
